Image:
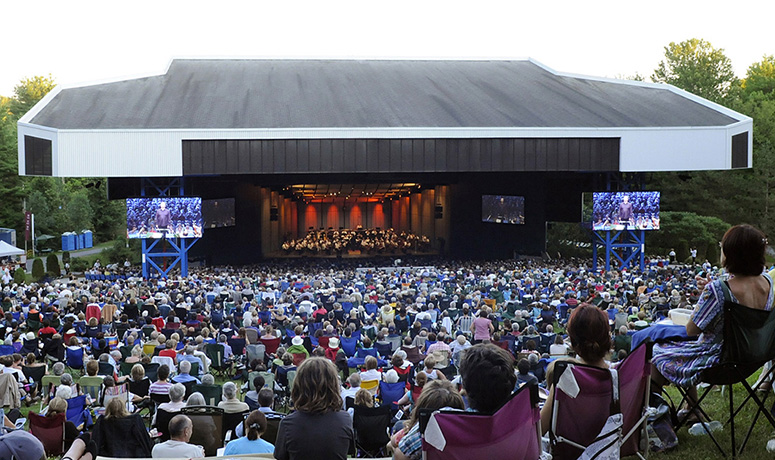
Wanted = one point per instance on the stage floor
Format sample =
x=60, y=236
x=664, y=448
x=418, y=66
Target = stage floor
x=308, y=255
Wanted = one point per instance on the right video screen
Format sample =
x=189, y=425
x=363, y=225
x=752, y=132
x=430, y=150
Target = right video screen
x=218, y=213
x=625, y=210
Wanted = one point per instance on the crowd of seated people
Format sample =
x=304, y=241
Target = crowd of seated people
x=367, y=241
x=310, y=339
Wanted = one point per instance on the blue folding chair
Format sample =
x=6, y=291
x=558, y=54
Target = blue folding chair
x=384, y=350
x=77, y=412
x=347, y=306
x=389, y=393
x=74, y=358
x=371, y=309
x=349, y=345
x=7, y=350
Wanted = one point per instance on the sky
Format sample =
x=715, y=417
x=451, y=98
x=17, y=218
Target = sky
x=81, y=41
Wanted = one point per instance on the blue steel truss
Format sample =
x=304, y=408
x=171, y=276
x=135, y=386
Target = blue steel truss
x=625, y=246
x=155, y=251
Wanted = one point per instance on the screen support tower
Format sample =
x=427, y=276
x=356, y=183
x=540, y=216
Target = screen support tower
x=156, y=251
x=626, y=246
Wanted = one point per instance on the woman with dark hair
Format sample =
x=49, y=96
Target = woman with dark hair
x=590, y=338
x=742, y=254
x=487, y=374
x=319, y=428
x=251, y=443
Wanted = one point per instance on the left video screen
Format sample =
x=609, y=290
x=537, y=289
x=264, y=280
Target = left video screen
x=170, y=217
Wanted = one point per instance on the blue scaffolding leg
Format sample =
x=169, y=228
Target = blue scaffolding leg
x=632, y=244
x=154, y=256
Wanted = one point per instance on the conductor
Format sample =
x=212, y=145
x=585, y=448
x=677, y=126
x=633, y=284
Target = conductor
x=162, y=217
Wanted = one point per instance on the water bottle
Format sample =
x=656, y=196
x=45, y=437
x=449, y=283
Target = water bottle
x=771, y=445
x=698, y=429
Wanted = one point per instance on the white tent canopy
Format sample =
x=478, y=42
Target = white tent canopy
x=8, y=250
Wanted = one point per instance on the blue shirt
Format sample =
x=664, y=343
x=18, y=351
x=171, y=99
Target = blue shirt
x=245, y=446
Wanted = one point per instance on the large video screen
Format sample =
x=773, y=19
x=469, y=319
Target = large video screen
x=173, y=217
x=218, y=213
x=625, y=210
x=503, y=209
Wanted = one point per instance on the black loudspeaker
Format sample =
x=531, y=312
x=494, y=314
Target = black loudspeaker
x=274, y=213
x=439, y=211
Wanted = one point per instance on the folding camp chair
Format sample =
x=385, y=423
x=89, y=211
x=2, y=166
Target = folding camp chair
x=211, y=393
x=50, y=431
x=512, y=433
x=230, y=422
x=35, y=373
x=115, y=392
x=389, y=393
x=208, y=427
x=349, y=345
x=371, y=425
x=256, y=351
x=748, y=344
x=91, y=386
x=106, y=369
x=577, y=421
x=162, y=423
x=77, y=412
x=215, y=352
x=152, y=370
x=271, y=345
x=74, y=359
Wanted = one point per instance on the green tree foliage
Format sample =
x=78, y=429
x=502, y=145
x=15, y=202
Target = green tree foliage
x=696, y=66
x=79, y=264
x=66, y=257
x=119, y=252
x=684, y=230
x=52, y=265
x=19, y=276
x=28, y=92
x=761, y=77
x=38, y=272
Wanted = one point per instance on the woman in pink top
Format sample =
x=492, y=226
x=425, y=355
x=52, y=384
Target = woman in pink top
x=482, y=328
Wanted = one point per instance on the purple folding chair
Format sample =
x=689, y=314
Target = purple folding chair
x=577, y=421
x=512, y=433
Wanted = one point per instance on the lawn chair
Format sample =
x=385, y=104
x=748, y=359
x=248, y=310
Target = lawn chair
x=256, y=351
x=74, y=359
x=77, y=412
x=512, y=433
x=211, y=393
x=389, y=393
x=162, y=422
x=115, y=392
x=215, y=352
x=152, y=370
x=230, y=422
x=50, y=431
x=106, y=369
x=349, y=345
x=271, y=345
x=748, y=343
x=35, y=373
x=371, y=425
x=237, y=346
x=577, y=421
x=91, y=386
x=208, y=427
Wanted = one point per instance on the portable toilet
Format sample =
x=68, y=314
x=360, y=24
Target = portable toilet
x=88, y=240
x=8, y=235
x=78, y=242
x=68, y=241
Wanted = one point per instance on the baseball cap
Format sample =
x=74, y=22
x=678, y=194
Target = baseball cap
x=21, y=445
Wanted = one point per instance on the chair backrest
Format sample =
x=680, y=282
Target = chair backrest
x=581, y=418
x=106, y=369
x=91, y=386
x=74, y=358
x=510, y=433
x=369, y=384
x=75, y=409
x=189, y=387
x=749, y=334
x=371, y=426
x=208, y=427
x=211, y=393
x=162, y=423
x=140, y=387
x=271, y=345
x=237, y=345
x=384, y=349
x=115, y=392
x=230, y=421
x=272, y=425
x=149, y=348
x=256, y=351
x=50, y=431
x=214, y=351
x=391, y=392
x=349, y=345
x=35, y=373
x=152, y=370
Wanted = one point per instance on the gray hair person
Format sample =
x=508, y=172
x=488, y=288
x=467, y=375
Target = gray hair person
x=208, y=379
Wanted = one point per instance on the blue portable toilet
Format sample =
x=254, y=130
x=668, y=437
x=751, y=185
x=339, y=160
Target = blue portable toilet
x=8, y=235
x=68, y=241
x=88, y=240
x=78, y=242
